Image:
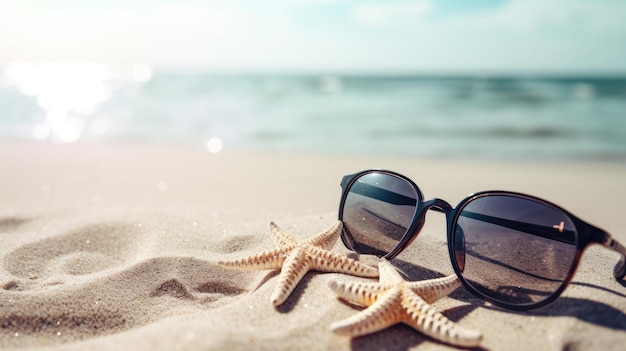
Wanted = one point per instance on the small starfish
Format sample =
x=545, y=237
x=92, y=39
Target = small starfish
x=296, y=259
x=394, y=300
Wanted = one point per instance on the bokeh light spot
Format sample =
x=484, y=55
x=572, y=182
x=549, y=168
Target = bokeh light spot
x=162, y=185
x=215, y=145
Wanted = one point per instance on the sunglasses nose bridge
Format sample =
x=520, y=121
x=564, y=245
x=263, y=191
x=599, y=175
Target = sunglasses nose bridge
x=436, y=204
x=418, y=223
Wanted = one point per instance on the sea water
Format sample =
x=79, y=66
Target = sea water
x=513, y=117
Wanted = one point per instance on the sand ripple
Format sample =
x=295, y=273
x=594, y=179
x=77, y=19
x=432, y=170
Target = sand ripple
x=101, y=278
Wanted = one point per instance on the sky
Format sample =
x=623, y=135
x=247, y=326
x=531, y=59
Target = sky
x=422, y=36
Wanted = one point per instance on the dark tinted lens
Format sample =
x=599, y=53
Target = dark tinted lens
x=377, y=212
x=516, y=250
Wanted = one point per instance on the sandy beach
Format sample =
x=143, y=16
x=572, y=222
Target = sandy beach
x=114, y=247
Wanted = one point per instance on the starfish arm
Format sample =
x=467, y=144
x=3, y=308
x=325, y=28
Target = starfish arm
x=385, y=312
x=388, y=273
x=427, y=320
x=281, y=238
x=433, y=289
x=328, y=238
x=294, y=268
x=363, y=293
x=326, y=261
x=266, y=260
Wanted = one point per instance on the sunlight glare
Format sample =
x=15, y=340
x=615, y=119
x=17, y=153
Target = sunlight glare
x=67, y=92
x=142, y=72
x=24, y=76
x=64, y=130
x=77, y=87
x=41, y=131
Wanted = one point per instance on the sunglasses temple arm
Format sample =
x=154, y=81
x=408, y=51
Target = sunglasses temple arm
x=619, y=271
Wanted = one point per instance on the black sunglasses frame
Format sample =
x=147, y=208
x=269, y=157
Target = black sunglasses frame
x=587, y=234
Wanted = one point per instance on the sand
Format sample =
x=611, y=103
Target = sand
x=113, y=247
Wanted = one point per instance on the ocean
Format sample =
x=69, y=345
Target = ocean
x=485, y=117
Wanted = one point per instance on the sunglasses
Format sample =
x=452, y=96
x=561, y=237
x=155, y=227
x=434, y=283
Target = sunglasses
x=514, y=250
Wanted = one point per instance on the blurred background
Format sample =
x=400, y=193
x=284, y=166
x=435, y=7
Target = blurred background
x=495, y=79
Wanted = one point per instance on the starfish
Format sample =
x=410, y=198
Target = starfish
x=296, y=259
x=393, y=300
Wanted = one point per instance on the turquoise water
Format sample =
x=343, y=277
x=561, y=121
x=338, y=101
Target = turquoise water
x=416, y=116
